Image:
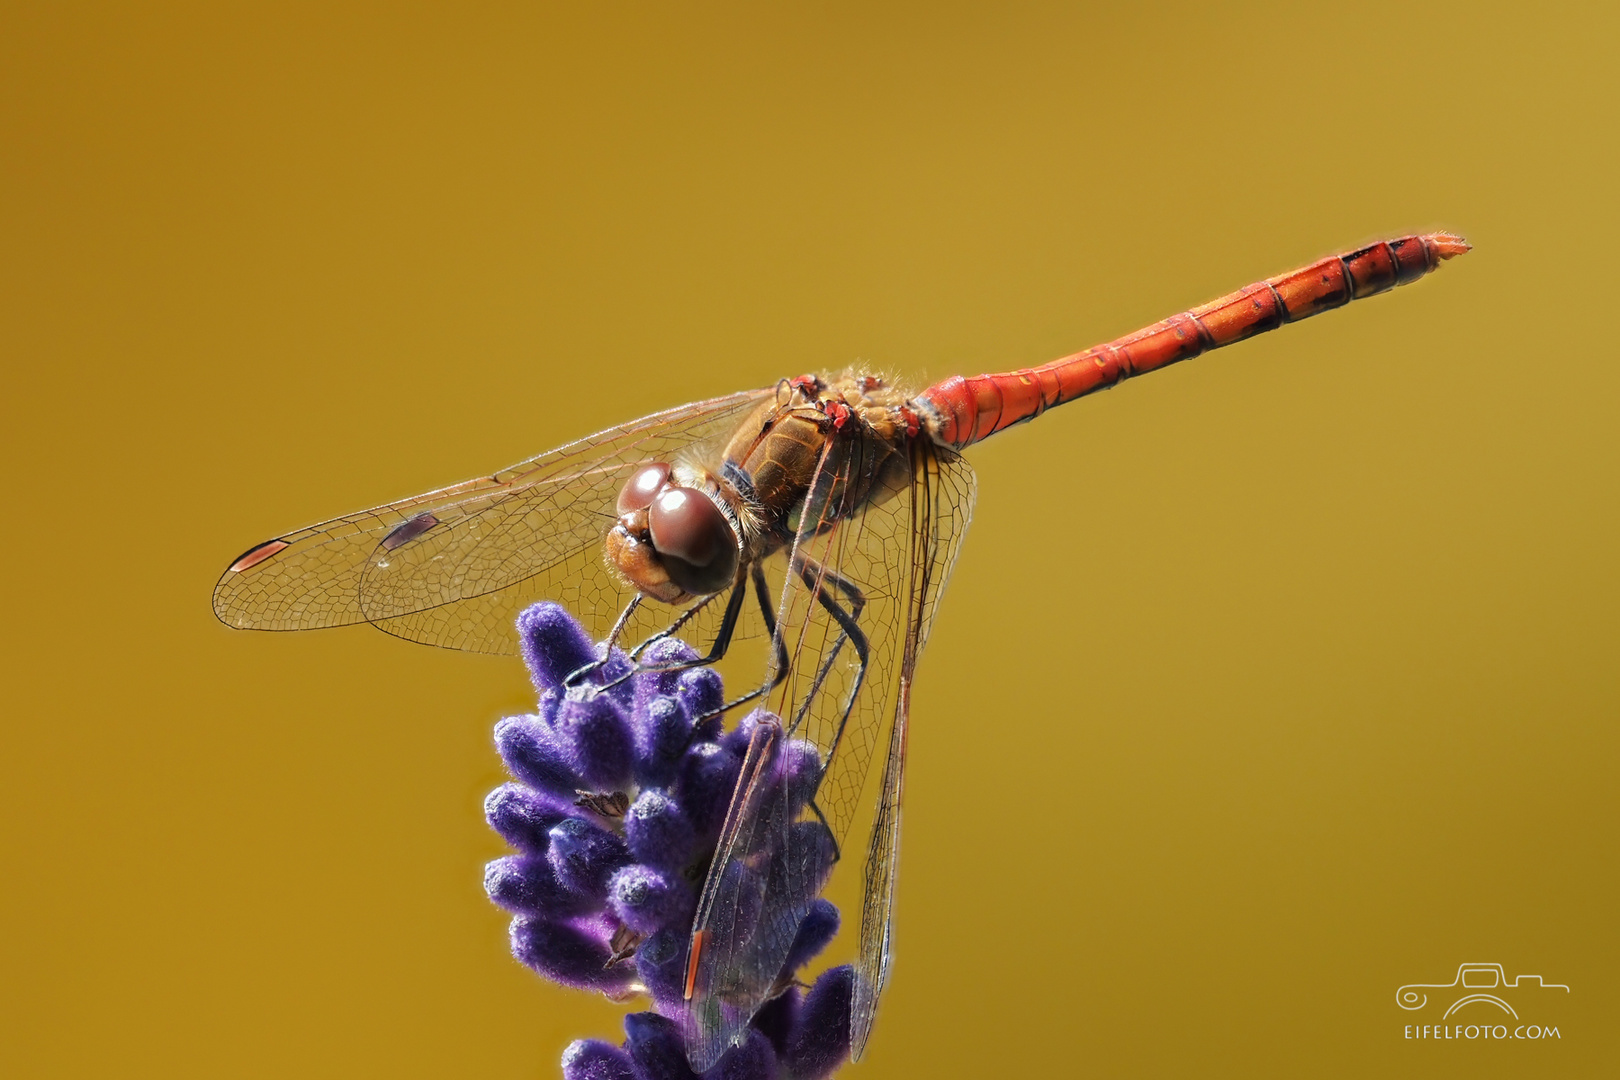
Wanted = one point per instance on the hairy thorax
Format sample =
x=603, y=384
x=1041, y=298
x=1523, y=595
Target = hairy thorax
x=844, y=435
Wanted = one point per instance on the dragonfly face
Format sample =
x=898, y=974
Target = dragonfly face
x=673, y=542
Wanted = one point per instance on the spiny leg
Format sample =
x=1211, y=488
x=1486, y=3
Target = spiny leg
x=850, y=631
x=722, y=640
x=674, y=627
x=579, y=673
x=762, y=594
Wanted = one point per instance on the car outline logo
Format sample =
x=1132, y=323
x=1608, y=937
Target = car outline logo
x=1478, y=977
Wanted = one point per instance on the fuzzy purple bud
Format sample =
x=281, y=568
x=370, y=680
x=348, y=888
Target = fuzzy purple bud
x=523, y=817
x=667, y=651
x=656, y=1047
x=753, y=1059
x=593, y=1059
x=777, y=1017
x=804, y=862
x=657, y=832
x=815, y=933
x=554, y=645
x=603, y=745
x=800, y=769
x=564, y=953
x=661, y=963
x=707, y=779
x=646, y=901
x=537, y=755
x=701, y=694
x=661, y=740
x=820, y=1041
x=744, y=889
x=585, y=857
x=527, y=885
x=736, y=740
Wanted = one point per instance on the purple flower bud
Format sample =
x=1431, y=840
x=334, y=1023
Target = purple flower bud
x=564, y=953
x=736, y=740
x=585, y=857
x=801, y=771
x=656, y=1047
x=806, y=860
x=593, y=1059
x=537, y=755
x=619, y=665
x=708, y=777
x=742, y=889
x=524, y=818
x=777, y=1018
x=603, y=745
x=820, y=1041
x=550, y=702
x=701, y=695
x=527, y=885
x=647, y=901
x=661, y=963
x=666, y=651
x=661, y=740
x=815, y=932
x=753, y=1059
x=658, y=833
x=553, y=644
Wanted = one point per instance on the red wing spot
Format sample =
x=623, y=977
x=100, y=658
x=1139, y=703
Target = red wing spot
x=698, y=937
x=407, y=531
x=254, y=556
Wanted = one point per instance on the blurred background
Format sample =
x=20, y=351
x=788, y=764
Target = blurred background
x=1265, y=685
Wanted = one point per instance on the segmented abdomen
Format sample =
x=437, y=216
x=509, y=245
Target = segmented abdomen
x=965, y=410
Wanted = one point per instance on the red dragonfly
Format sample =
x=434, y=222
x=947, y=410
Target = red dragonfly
x=837, y=504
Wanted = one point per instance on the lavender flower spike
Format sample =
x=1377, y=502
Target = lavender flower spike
x=615, y=807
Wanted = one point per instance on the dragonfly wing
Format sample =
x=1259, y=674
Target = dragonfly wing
x=842, y=622
x=453, y=567
x=767, y=871
x=942, y=507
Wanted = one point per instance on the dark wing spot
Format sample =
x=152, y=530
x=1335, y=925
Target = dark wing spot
x=407, y=531
x=253, y=556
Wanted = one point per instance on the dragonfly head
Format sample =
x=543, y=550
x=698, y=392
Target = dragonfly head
x=671, y=541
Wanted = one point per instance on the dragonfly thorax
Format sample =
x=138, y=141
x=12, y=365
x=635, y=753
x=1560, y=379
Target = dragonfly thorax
x=835, y=444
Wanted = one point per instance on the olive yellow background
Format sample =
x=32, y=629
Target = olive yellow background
x=1264, y=686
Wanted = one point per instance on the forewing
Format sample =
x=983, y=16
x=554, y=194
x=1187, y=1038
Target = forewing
x=941, y=508
x=850, y=605
x=454, y=566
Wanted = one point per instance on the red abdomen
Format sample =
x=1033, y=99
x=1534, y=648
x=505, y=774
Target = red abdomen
x=965, y=410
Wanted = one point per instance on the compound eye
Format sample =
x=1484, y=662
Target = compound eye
x=638, y=491
x=694, y=540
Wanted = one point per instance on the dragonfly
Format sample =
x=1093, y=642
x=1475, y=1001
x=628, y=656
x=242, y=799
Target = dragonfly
x=823, y=513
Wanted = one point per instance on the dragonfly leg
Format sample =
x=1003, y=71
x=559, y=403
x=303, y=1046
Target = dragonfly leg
x=762, y=594
x=849, y=631
x=577, y=674
x=674, y=627
x=838, y=852
x=722, y=640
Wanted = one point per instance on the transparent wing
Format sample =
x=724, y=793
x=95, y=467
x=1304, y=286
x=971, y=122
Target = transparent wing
x=847, y=623
x=942, y=507
x=453, y=567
